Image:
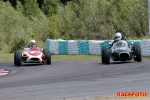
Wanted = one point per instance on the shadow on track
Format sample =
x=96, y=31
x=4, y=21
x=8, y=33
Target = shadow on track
x=119, y=62
x=30, y=64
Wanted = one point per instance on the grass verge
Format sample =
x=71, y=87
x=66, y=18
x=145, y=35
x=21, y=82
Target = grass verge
x=9, y=57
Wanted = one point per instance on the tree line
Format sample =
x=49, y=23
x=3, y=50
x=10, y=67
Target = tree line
x=70, y=19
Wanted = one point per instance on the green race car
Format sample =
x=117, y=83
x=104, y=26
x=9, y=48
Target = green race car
x=121, y=51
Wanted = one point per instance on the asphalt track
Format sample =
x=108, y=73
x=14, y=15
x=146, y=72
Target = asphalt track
x=73, y=79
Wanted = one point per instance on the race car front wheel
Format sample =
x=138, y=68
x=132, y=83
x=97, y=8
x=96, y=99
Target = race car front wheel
x=135, y=50
x=106, y=56
x=102, y=55
x=138, y=54
x=48, y=57
x=18, y=59
x=15, y=57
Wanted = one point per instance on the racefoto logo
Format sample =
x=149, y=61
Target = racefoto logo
x=132, y=94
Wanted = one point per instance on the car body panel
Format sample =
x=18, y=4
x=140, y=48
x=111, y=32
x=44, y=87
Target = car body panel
x=33, y=55
x=121, y=51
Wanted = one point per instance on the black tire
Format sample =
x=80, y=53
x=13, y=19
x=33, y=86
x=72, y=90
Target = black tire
x=15, y=57
x=18, y=59
x=106, y=56
x=138, y=54
x=44, y=51
x=135, y=50
x=48, y=57
x=102, y=55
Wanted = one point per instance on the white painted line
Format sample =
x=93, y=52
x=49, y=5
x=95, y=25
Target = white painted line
x=3, y=72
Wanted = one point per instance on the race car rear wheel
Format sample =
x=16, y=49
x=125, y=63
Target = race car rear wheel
x=138, y=54
x=48, y=57
x=102, y=55
x=18, y=59
x=106, y=56
x=15, y=57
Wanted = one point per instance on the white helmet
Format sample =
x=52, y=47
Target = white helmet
x=32, y=43
x=117, y=36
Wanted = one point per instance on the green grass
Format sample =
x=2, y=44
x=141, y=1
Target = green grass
x=76, y=57
x=146, y=57
x=9, y=57
x=6, y=57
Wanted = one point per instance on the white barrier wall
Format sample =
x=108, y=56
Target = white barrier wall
x=88, y=46
x=54, y=46
x=94, y=47
x=145, y=47
x=72, y=47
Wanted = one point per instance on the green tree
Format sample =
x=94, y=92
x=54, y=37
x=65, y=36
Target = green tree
x=31, y=8
x=19, y=7
x=50, y=7
x=13, y=2
x=101, y=18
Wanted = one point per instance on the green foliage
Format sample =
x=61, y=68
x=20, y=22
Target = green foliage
x=18, y=43
x=99, y=19
x=74, y=19
x=19, y=7
x=66, y=19
x=31, y=8
x=16, y=29
x=50, y=7
x=12, y=22
x=53, y=26
x=40, y=26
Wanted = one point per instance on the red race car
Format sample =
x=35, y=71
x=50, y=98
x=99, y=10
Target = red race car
x=32, y=54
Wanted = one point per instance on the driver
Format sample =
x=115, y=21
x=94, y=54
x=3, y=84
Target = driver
x=32, y=44
x=117, y=38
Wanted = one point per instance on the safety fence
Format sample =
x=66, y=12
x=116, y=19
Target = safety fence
x=89, y=46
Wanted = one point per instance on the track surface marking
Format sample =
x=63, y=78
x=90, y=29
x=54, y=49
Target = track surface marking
x=3, y=72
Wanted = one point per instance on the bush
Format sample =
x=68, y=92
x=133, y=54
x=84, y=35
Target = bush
x=17, y=44
x=16, y=29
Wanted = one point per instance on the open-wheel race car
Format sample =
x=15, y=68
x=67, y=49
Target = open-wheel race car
x=121, y=51
x=32, y=54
